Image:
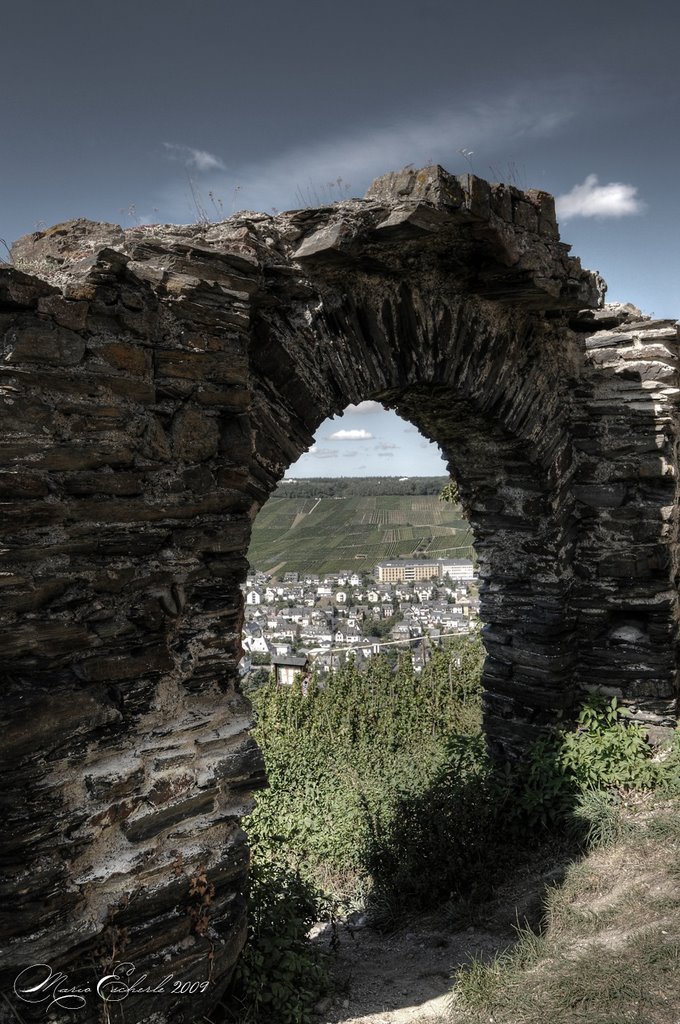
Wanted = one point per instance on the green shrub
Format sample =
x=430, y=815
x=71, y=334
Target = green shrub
x=384, y=774
x=260, y=658
x=342, y=757
x=558, y=782
x=280, y=975
x=606, y=749
x=435, y=844
x=537, y=792
x=460, y=834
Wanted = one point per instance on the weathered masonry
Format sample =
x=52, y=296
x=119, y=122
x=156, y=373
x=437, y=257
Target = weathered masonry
x=156, y=383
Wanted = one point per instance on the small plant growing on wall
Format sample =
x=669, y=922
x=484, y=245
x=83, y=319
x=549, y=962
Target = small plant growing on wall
x=202, y=893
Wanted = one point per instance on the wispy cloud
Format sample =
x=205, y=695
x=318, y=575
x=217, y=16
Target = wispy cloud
x=351, y=435
x=324, y=453
x=357, y=157
x=325, y=169
x=385, y=455
x=385, y=446
x=591, y=199
x=198, y=159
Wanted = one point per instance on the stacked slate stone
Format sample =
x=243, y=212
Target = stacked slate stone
x=156, y=384
x=626, y=487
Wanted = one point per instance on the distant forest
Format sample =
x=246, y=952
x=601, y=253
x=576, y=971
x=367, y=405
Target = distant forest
x=360, y=486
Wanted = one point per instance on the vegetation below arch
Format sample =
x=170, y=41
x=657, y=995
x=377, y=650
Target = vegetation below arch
x=382, y=795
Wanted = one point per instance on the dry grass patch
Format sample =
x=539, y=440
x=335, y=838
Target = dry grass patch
x=609, y=951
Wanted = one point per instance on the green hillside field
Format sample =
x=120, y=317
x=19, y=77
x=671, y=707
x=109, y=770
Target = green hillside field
x=326, y=534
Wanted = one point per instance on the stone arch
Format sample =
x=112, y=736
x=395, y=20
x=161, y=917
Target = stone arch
x=485, y=385
x=158, y=381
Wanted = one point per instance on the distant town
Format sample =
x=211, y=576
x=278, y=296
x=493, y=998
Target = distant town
x=308, y=621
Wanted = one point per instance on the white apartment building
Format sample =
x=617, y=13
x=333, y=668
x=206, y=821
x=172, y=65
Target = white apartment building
x=403, y=570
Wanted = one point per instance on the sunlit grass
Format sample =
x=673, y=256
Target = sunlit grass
x=609, y=949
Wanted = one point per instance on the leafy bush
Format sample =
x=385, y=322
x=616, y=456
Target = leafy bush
x=607, y=750
x=260, y=658
x=435, y=844
x=341, y=757
x=460, y=834
x=604, y=751
x=383, y=775
x=338, y=759
x=537, y=792
x=280, y=975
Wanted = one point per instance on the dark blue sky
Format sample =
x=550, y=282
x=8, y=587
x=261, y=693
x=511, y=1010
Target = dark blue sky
x=120, y=111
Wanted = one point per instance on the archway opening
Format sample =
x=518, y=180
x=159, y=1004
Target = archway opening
x=347, y=559
x=382, y=774
x=362, y=659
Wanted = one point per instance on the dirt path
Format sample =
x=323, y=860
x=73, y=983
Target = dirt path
x=299, y=516
x=401, y=978
x=405, y=977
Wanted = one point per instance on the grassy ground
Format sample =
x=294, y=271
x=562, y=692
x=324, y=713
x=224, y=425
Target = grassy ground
x=609, y=948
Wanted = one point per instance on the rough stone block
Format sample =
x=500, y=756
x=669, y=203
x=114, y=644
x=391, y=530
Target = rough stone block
x=127, y=665
x=130, y=358
x=410, y=222
x=145, y=825
x=327, y=242
x=195, y=436
x=35, y=344
x=601, y=495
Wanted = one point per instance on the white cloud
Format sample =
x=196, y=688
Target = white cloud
x=199, y=159
x=594, y=200
x=364, y=407
x=325, y=453
x=351, y=435
x=312, y=450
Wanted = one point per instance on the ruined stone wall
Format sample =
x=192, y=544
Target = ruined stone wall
x=156, y=383
x=625, y=431
x=127, y=520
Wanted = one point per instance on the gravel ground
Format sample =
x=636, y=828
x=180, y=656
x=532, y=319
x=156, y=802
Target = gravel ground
x=403, y=977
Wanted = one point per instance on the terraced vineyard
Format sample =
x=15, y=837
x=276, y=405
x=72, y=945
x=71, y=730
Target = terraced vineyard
x=327, y=534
